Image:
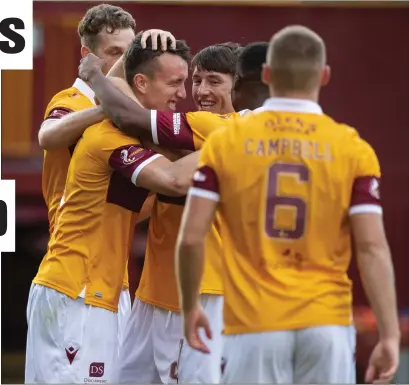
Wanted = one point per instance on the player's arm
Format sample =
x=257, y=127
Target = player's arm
x=63, y=127
x=117, y=70
x=128, y=115
x=150, y=170
x=371, y=246
x=376, y=270
x=169, y=178
x=198, y=215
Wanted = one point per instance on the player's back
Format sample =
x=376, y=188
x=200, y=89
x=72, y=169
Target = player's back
x=287, y=179
x=90, y=243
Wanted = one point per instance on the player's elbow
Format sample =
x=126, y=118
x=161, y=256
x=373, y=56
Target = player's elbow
x=46, y=140
x=370, y=252
x=176, y=186
x=190, y=241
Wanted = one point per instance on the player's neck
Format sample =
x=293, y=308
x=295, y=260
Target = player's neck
x=313, y=96
x=140, y=100
x=250, y=96
x=226, y=109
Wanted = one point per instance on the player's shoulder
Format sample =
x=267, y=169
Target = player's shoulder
x=205, y=116
x=70, y=98
x=349, y=138
x=105, y=135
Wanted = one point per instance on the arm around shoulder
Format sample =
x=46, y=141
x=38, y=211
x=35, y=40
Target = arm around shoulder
x=63, y=131
x=165, y=177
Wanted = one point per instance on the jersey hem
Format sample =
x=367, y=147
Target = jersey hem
x=231, y=330
x=75, y=295
x=211, y=291
x=172, y=308
x=157, y=303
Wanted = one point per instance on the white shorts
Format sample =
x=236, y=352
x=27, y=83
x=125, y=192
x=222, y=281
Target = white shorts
x=68, y=341
x=319, y=355
x=150, y=345
x=124, y=312
x=194, y=366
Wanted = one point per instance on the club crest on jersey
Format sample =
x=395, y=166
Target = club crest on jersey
x=199, y=176
x=374, y=189
x=128, y=156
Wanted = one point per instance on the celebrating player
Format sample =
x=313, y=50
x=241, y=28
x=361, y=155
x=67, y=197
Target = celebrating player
x=291, y=186
x=107, y=31
x=73, y=302
x=155, y=316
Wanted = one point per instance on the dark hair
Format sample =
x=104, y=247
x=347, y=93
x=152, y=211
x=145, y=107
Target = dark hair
x=249, y=91
x=100, y=17
x=251, y=60
x=140, y=60
x=220, y=58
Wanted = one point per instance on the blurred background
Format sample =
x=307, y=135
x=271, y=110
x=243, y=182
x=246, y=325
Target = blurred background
x=368, y=50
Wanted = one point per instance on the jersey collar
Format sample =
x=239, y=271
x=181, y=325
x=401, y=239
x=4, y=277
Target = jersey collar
x=85, y=89
x=292, y=105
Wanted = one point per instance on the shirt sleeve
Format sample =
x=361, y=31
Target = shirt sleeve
x=57, y=113
x=61, y=105
x=130, y=159
x=121, y=153
x=206, y=179
x=365, y=195
x=184, y=131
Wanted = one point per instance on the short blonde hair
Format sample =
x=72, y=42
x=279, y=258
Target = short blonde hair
x=296, y=57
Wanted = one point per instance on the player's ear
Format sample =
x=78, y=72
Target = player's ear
x=85, y=51
x=266, y=74
x=141, y=83
x=326, y=75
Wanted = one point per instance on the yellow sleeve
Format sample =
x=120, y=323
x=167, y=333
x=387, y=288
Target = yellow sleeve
x=65, y=102
x=203, y=124
x=365, y=159
x=207, y=178
x=118, y=151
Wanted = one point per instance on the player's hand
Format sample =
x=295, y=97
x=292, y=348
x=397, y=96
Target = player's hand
x=154, y=34
x=193, y=321
x=384, y=362
x=89, y=66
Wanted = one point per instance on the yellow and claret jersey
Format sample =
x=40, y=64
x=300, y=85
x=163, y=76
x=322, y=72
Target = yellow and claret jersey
x=286, y=180
x=182, y=131
x=78, y=97
x=88, y=250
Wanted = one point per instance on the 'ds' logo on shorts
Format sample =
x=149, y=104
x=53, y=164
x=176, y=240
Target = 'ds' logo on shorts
x=96, y=369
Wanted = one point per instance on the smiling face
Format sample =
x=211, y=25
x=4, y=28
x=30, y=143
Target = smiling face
x=211, y=91
x=167, y=85
x=157, y=78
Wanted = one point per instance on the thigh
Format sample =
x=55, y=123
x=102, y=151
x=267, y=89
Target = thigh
x=166, y=333
x=325, y=354
x=97, y=357
x=124, y=312
x=136, y=362
x=46, y=358
x=194, y=366
x=259, y=357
